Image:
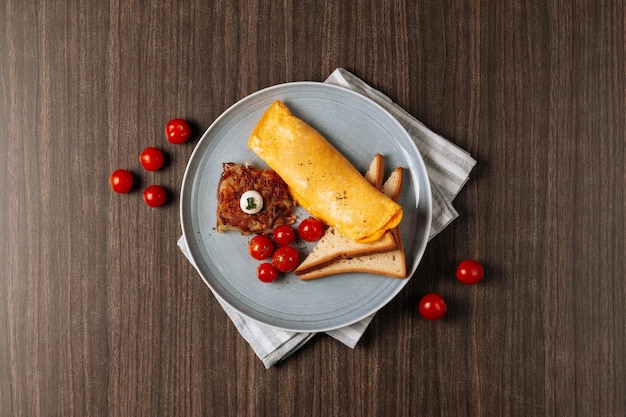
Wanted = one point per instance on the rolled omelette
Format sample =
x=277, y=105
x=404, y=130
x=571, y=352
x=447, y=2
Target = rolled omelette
x=320, y=178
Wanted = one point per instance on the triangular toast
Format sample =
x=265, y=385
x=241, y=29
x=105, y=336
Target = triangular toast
x=391, y=263
x=333, y=245
x=375, y=174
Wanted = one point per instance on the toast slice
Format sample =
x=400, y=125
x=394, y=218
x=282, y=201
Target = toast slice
x=333, y=245
x=391, y=263
x=375, y=174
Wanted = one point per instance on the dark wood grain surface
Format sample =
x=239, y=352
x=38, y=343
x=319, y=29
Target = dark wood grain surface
x=100, y=313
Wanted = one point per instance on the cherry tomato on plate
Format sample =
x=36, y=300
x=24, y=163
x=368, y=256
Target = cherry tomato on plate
x=432, y=306
x=285, y=258
x=260, y=247
x=177, y=131
x=284, y=234
x=151, y=158
x=121, y=181
x=311, y=229
x=154, y=195
x=266, y=272
x=470, y=272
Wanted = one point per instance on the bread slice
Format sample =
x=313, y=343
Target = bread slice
x=392, y=188
x=391, y=263
x=333, y=245
x=375, y=175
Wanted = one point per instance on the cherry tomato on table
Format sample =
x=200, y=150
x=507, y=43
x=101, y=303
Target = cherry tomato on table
x=470, y=272
x=121, y=181
x=432, y=307
x=285, y=258
x=260, y=247
x=151, y=158
x=177, y=131
x=311, y=229
x=284, y=234
x=154, y=195
x=266, y=272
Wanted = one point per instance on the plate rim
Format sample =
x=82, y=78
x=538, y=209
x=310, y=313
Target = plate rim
x=186, y=183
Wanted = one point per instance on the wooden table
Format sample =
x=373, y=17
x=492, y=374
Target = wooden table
x=101, y=314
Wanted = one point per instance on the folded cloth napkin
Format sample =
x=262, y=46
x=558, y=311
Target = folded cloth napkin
x=448, y=168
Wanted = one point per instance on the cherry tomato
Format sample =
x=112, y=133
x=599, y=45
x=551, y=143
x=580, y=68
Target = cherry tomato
x=284, y=234
x=470, y=272
x=151, y=158
x=311, y=229
x=285, y=258
x=260, y=247
x=154, y=195
x=121, y=181
x=432, y=307
x=266, y=272
x=177, y=131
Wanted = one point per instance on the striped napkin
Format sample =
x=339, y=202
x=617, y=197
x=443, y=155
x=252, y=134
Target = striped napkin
x=448, y=168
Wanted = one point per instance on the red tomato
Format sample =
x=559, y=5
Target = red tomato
x=285, y=258
x=284, y=234
x=266, y=272
x=470, y=272
x=432, y=307
x=154, y=195
x=151, y=158
x=177, y=131
x=311, y=229
x=121, y=181
x=260, y=247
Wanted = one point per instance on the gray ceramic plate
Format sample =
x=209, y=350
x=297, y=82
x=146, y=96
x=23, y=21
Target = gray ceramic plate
x=358, y=128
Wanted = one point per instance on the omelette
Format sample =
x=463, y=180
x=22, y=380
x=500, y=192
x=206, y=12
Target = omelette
x=320, y=178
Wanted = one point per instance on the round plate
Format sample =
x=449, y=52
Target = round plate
x=358, y=128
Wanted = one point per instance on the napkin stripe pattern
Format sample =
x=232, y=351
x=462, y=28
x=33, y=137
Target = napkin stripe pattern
x=351, y=334
x=448, y=168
